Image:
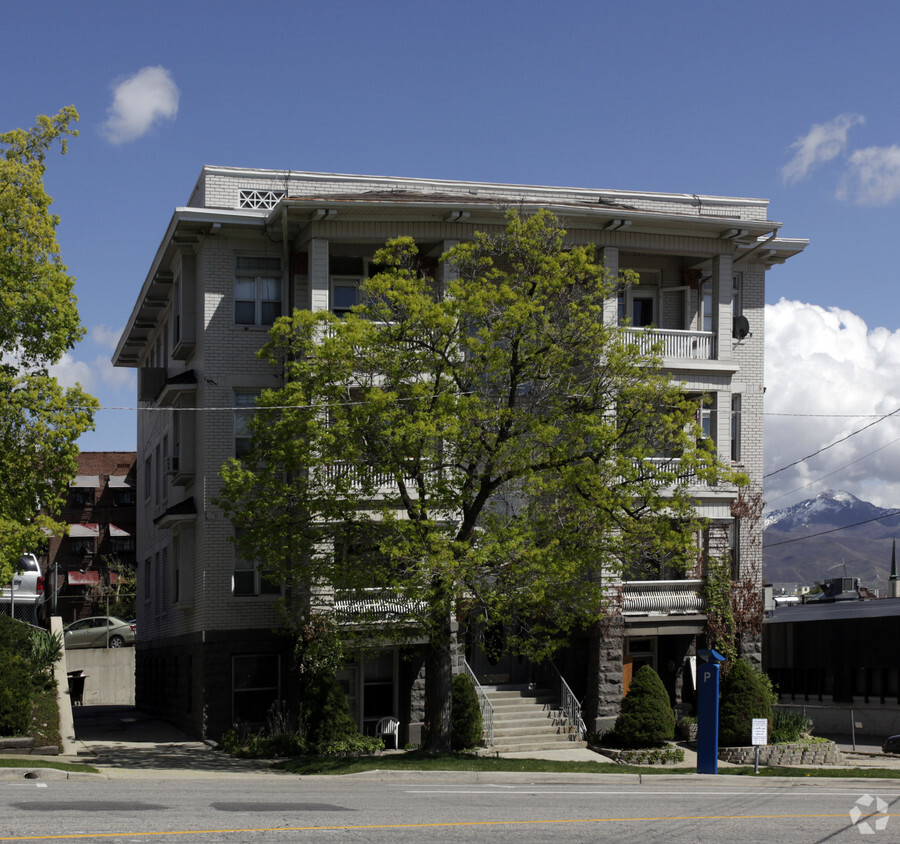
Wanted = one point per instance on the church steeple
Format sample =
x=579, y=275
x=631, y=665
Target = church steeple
x=894, y=580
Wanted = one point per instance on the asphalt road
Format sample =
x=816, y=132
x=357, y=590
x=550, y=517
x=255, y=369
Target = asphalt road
x=430, y=807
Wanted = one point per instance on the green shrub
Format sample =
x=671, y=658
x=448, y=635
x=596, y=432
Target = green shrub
x=789, y=726
x=15, y=636
x=465, y=714
x=326, y=713
x=16, y=692
x=746, y=694
x=646, y=718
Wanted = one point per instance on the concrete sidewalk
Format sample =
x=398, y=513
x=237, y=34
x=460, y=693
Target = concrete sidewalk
x=125, y=742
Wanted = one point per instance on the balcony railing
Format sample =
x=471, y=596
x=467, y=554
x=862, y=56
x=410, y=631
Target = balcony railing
x=663, y=597
x=697, y=345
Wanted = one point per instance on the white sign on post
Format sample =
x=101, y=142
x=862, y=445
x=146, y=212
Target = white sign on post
x=760, y=731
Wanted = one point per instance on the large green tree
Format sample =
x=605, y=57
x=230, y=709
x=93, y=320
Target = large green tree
x=40, y=421
x=485, y=442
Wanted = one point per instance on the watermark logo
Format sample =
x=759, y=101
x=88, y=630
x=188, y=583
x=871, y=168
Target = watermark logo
x=876, y=820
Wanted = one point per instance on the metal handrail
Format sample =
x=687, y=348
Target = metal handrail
x=487, y=708
x=568, y=703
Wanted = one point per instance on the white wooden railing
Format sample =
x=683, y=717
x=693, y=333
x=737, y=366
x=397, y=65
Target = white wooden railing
x=699, y=345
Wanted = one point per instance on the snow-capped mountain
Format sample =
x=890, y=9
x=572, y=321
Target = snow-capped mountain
x=861, y=548
x=833, y=508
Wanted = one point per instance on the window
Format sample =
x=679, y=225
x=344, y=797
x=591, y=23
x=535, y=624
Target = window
x=81, y=497
x=242, y=417
x=257, y=291
x=148, y=580
x=706, y=301
x=81, y=546
x=158, y=476
x=247, y=581
x=736, y=427
x=176, y=568
x=122, y=544
x=638, y=302
x=123, y=497
x=344, y=295
x=148, y=477
x=255, y=686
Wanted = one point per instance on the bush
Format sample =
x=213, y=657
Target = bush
x=746, y=694
x=16, y=692
x=789, y=726
x=327, y=714
x=646, y=719
x=465, y=715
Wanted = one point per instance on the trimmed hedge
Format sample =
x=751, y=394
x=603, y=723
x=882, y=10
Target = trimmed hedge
x=746, y=694
x=646, y=718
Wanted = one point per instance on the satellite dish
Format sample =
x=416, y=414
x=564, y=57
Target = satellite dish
x=740, y=328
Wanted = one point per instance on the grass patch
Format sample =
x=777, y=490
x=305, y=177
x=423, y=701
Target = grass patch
x=832, y=773
x=71, y=767
x=423, y=761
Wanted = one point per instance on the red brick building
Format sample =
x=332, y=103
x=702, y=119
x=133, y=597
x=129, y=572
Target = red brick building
x=101, y=515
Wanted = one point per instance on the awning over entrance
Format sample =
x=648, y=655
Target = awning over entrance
x=87, y=481
x=119, y=482
x=90, y=529
x=82, y=578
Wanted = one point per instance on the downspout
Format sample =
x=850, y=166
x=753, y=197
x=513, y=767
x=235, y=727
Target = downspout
x=762, y=243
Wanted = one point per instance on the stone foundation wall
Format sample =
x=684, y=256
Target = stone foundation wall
x=817, y=753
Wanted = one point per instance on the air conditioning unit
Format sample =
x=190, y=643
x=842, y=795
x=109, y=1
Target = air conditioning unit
x=171, y=465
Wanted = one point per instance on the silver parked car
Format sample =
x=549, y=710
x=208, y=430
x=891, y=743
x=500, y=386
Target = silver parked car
x=98, y=632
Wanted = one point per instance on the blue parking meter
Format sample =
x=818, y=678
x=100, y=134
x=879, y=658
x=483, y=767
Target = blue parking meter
x=708, y=711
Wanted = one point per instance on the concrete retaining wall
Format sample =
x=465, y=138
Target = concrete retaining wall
x=110, y=671
x=876, y=720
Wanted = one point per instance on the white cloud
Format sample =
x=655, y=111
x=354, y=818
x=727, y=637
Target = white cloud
x=95, y=376
x=837, y=375
x=103, y=335
x=823, y=142
x=872, y=176
x=139, y=102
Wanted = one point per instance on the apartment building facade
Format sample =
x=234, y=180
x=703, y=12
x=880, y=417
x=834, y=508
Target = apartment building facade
x=251, y=245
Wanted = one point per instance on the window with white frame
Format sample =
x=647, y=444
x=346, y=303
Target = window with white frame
x=706, y=300
x=257, y=290
x=345, y=294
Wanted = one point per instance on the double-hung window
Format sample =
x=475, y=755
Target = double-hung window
x=257, y=290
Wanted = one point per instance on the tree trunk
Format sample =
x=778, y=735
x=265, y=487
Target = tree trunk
x=438, y=677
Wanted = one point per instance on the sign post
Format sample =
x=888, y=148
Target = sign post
x=759, y=735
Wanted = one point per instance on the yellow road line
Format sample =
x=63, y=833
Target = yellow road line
x=444, y=824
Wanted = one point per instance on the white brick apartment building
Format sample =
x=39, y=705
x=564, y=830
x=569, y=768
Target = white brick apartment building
x=254, y=244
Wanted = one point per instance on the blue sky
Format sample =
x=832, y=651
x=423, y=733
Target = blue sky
x=794, y=102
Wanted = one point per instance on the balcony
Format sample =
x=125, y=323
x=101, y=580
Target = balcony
x=690, y=345
x=379, y=605
x=663, y=597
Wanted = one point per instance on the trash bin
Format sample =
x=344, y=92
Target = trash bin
x=76, y=687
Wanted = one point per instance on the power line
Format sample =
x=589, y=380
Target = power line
x=832, y=530
x=832, y=445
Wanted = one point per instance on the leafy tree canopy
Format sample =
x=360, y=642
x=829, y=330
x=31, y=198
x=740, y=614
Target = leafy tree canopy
x=40, y=421
x=486, y=441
